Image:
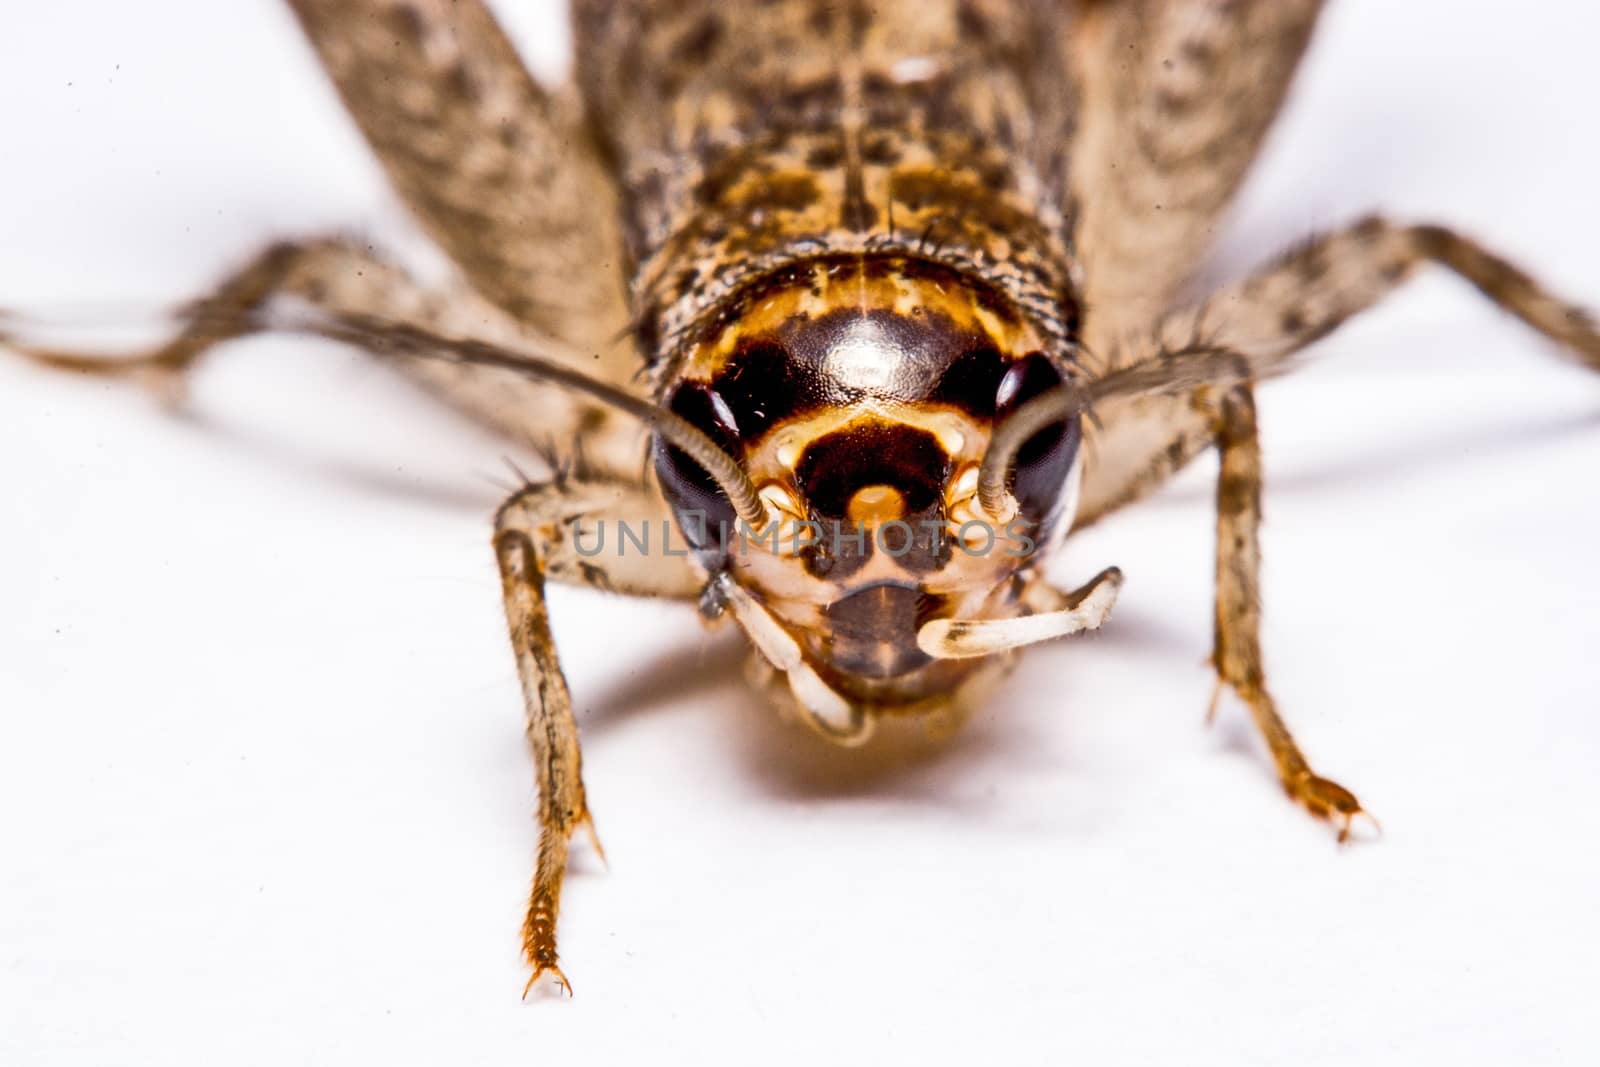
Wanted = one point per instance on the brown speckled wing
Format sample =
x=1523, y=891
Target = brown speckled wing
x=1177, y=97
x=500, y=173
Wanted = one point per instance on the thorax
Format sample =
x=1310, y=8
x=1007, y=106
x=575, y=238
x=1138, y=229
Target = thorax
x=748, y=136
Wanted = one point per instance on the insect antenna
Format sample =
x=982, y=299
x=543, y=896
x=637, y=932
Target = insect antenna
x=1175, y=371
x=384, y=336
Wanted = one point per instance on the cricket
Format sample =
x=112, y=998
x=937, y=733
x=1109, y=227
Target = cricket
x=833, y=320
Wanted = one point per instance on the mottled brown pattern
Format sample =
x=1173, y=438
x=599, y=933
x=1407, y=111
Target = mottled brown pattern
x=501, y=173
x=828, y=128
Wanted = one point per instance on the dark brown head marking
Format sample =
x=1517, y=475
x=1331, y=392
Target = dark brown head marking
x=874, y=632
x=847, y=356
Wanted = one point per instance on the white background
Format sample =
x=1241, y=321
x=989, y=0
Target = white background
x=263, y=793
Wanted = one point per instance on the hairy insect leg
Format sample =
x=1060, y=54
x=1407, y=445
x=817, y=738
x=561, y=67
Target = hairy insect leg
x=553, y=736
x=612, y=535
x=1252, y=330
x=340, y=277
x=1236, y=652
x=225, y=313
x=536, y=535
x=1315, y=288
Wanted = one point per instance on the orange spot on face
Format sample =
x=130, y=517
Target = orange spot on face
x=874, y=505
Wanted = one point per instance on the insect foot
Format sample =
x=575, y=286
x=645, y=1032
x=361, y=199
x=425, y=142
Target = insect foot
x=1328, y=800
x=157, y=373
x=233, y=309
x=554, y=981
x=1322, y=797
x=539, y=945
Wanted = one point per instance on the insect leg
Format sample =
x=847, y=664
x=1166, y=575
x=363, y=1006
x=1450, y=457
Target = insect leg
x=1252, y=329
x=1313, y=289
x=535, y=538
x=553, y=736
x=1237, y=645
x=607, y=534
x=223, y=314
x=341, y=277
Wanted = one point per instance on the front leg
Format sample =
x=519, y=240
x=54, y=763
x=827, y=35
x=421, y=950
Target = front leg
x=553, y=735
x=1188, y=383
x=537, y=532
x=1236, y=653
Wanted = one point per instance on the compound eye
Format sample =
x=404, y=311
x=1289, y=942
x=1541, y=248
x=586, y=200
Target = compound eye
x=1044, y=462
x=704, y=512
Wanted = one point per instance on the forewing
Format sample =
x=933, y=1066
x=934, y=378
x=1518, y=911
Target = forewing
x=1177, y=96
x=500, y=173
